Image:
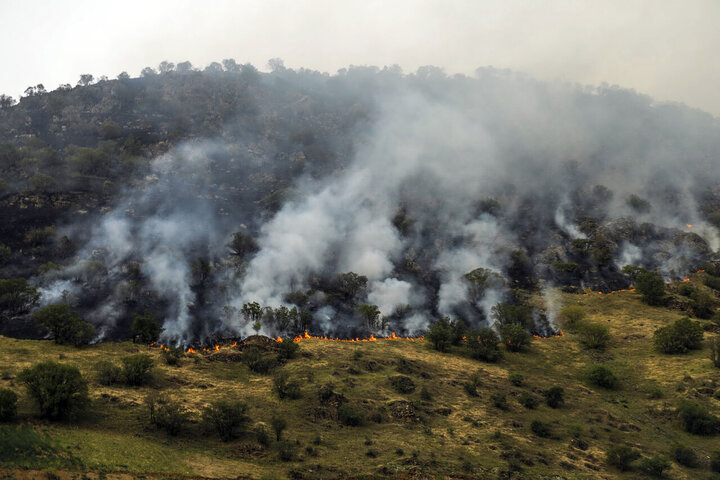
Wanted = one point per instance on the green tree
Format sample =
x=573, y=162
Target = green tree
x=554, y=396
x=441, y=334
x=483, y=345
x=515, y=337
x=58, y=389
x=137, y=369
x=8, y=405
x=65, y=325
x=679, y=337
x=17, y=296
x=602, y=376
x=278, y=424
x=145, y=328
x=622, y=457
x=242, y=245
x=42, y=183
x=369, y=313
x=651, y=287
x=226, y=417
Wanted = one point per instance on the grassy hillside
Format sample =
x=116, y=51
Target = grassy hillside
x=446, y=434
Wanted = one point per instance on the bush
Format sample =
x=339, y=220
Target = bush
x=402, y=384
x=500, y=401
x=257, y=362
x=703, y=304
x=528, y=400
x=622, y=456
x=172, y=355
x=445, y=332
x=483, y=345
x=425, y=394
x=679, y=337
x=594, y=336
x=262, y=436
x=572, y=316
x=107, y=373
x=651, y=287
x=59, y=390
x=554, y=397
x=65, y=325
x=145, y=328
x=515, y=337
x=285, y=387
x=17, y=296
x=278, y=424
x=287, y=349
x=684, y=456
x=167, y=414
x=8, y=405
x=472, y=384
x=654, y=466
x=541, y=429
x=715, y=461
x=602, y=376
x=696, y=419
x=286, y=450
x=516, y=379
x=350, y=416
x=713, y=282
x=226, y=417
x=137, y=369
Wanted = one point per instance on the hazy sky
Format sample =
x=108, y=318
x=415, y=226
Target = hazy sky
x=668, y=49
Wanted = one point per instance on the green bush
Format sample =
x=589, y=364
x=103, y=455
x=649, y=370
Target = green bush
x=483, y=345
x=572, y=316
x=445, y=332
x=107, y=373
x=262, y=436
x=402, y=384
x=528, y=400
x=703, y=304
x=137, y=369
x=167, y=414
x=257, y=362
x=541, y=429
x=602, y=376
x=654, y=466
x=679, y=337
x=651, y=287
x=425, y=394
x=279, y=424
x=65, y=325
x=554, y=397
x=17, y=296
x=287, y=451
x=712, y=282
x=8, y=405
x=58, y=389
x=515, y=337
x=226, y=417
x=500, y=401
x=172, y=355
x=286, y=388
x=473, y=382
x=287, y=349
x=594, y=336
x=145, y=328
x=684, y=456
x=516, y=379
x=622, y=457
x=350, y=416
x=696, y=419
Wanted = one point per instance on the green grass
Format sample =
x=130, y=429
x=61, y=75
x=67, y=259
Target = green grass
x=451, y=434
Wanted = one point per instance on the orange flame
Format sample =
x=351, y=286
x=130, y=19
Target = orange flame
x=191, y=350
x=372, y=338
x=279, y=340
x=686, y=279
x=688, y=225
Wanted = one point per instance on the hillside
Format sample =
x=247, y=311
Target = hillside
x=446, y=434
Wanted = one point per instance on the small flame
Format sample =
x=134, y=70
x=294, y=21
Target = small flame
x=686, y=279
x=279, y=339
x=688, y=225
x=191, y=350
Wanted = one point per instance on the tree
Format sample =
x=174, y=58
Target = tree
x=17, y=296
x=166, y=67
x=252, y=311
x=507, y=314
x=65, y=325
x=279, y=424
x=145, y=328
x=59, y=390
x=622, y=456
x=602, y=376
x=370, y=313
x=147, y=72
x=515, y=337
x=651, y=287
x=697, y=420
x=6, y=101
x=554, y=396
x=679, y=337
x=137, y=369
x=42, y=183
x=480, y=280
x=8, y=405
x=594, y=336
x=349, y=285
x=184, y=67
x=85, y=80
x=123, y=76
x=230, y=65
x=242, y=245
x=654, y=466
x=226, y=417
x=483, y=345
x=214, y=67
x=440, y=334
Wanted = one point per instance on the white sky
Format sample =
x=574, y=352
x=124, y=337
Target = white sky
x=666, y=48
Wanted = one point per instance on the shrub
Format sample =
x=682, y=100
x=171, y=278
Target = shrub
x=703, y=304
x=167, y=414
x=715, y=351
x=350, y=416
x=712, y=282
x=172, y=355
x=402, y=384
x=285, y=387
x=42, y=183
x=287, y=349
x=483, y=345
x=602, y=376
x=226, y=417
x=515, y=337
x=17, y=296
x=679, y=337
x=8, y=405
x=516, y=379
x=326, y=392
x=594, y=336
x=425, y=394
x=442, y=333
x=715, y=461
x=684, y=456
x=262, y=436
x=541, y=429
x=107, y=373
x=528, y=400
x=286, y=450
x=59, y=390
x=572, y=316
x=145, y=328
x=554, y=397
x=65, y=325
x=257, y=362
x=500, y=401
x=622, y=456
x=651, y=287
x=137, y=369
x=472, y=384
x=696, y=419
x=654, y=466
x=278, y=424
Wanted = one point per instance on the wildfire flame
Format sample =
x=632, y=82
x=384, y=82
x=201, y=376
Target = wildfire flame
x=373, y=338
x=559, y=334
x=686, y=279
x=688, y=225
